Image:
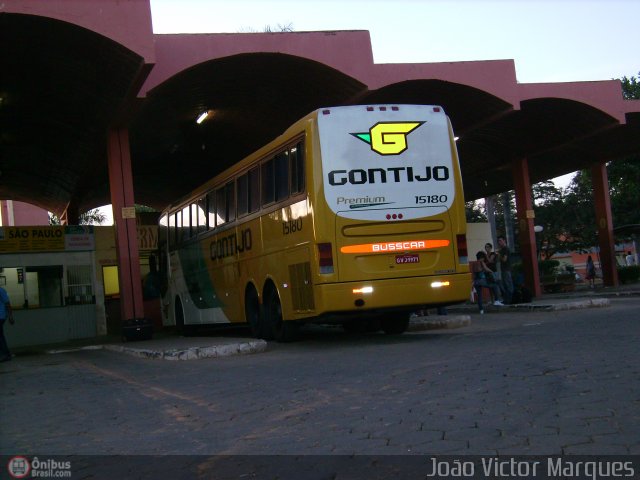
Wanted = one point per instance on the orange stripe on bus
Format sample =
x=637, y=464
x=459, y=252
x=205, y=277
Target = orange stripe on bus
x=385, y=247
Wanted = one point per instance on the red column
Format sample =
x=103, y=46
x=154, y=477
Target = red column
x=526, y=234
x=604, y=223
x=121, y=187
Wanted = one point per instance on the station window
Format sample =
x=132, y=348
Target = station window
x=33, y=286
x=79, y=285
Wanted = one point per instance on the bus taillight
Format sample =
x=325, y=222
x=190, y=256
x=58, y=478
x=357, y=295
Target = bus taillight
x=463, y=254
x=325, y=255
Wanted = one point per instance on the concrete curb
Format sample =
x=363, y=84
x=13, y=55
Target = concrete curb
x=193, y=353
x=549, y=307
x=419, y=324
x=189, y=353
x=591, y=303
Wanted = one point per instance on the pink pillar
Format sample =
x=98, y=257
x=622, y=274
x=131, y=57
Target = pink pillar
x=121, y=187
x=604, y=222
x=526, y=234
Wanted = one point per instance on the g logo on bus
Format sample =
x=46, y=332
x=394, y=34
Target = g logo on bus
x=388, y=138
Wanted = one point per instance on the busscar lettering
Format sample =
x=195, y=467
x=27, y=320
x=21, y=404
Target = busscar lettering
x=359, y=176
x=398, y=246
x=231, y=244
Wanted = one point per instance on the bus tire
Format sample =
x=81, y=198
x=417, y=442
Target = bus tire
x=282, y=331
x=252, y=312
x=395, y=324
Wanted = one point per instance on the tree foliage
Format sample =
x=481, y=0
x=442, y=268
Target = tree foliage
x=90, y=217
x=631, y=88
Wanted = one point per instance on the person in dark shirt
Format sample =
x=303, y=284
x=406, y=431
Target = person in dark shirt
x=5, y=314
x=504, y=256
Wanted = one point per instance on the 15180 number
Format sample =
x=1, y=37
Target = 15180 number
x=291, y=226
x=431, y=199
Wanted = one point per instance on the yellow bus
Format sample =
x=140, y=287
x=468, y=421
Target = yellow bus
x=354, y=215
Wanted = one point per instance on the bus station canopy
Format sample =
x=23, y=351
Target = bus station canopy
x=73, y=71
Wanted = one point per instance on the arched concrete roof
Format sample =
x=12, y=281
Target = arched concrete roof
x=253, y=98
x=61, y=87
x=74, y=72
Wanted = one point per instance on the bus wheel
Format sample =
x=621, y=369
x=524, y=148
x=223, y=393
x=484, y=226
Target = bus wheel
x=282, y=331
x=395, y=325
x=252, y=313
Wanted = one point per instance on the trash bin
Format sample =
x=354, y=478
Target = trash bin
x=137, y=329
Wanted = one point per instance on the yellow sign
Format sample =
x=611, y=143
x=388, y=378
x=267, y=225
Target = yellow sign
x=388, y=138
x=45, y=239
x=26, y=239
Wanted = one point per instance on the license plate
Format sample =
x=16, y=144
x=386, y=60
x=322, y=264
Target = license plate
x=408, y=258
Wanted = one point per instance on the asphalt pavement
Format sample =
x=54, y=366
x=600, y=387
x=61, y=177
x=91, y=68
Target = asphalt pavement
x=172, y=347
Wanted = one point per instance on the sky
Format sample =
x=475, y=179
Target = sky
x=549, y=40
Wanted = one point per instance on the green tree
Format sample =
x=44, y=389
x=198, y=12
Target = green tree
x=630, y=88
x=475, y=212
x=549, y=211
x=624, y=174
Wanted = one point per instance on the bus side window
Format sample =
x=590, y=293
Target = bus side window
x=268, y=192
x=221, y=206
x=172, y=231
x=243, y=195
x=186, y=224
x=254, y=189
x=202, y=214
x=193, y=231
x=297, y=168
x=282, y=175
x=211, y=209
x=178, y=227
x=231, y=201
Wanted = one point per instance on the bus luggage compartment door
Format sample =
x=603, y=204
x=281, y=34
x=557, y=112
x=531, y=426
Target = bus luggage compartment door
x=374, y=250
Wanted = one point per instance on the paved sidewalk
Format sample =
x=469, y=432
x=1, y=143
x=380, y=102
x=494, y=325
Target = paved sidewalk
x=166, y=346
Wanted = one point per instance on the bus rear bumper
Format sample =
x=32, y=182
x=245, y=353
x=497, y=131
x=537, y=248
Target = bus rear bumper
x=393, y=294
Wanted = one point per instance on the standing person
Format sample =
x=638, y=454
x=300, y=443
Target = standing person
x=504, y=255
x=6, y=313
x=492, y=263
x=591, y=272
x=481, y=279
